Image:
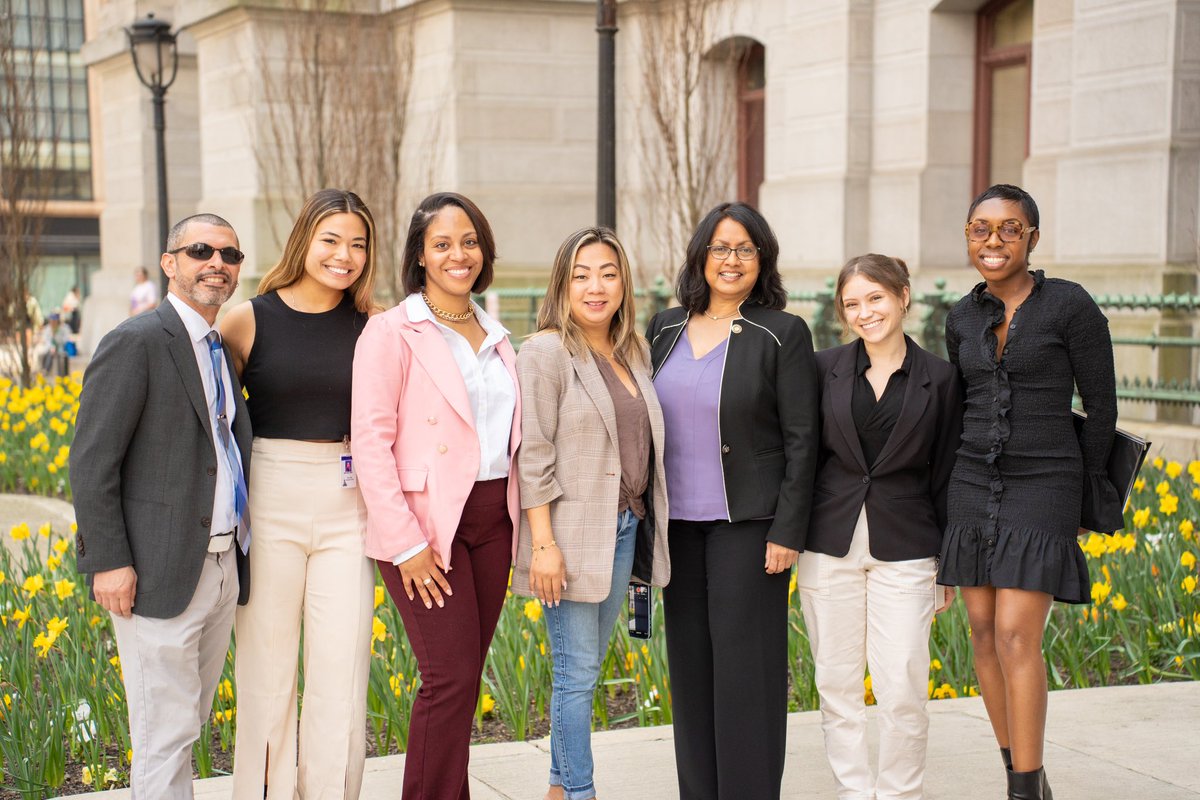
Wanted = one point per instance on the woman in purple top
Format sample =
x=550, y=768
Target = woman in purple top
x=737, y=381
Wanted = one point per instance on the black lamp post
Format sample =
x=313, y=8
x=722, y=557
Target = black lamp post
x=156, y=61
x=606, y=134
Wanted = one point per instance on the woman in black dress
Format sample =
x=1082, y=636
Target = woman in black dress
x=1024, y=483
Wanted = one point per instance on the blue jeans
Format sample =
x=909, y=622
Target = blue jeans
x=579, y=634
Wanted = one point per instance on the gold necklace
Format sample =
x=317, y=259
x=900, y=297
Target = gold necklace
x=449, y=316
x=724, y=316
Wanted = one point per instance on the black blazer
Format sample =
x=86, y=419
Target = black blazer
x=768, y=415
x=905, y=490
x=143, y=467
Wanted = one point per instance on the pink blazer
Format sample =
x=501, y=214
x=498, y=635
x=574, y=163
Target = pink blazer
x=413, y=438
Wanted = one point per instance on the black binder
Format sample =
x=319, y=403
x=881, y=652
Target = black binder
x=1125, y=458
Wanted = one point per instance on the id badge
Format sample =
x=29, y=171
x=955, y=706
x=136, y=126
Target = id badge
x=349, y=481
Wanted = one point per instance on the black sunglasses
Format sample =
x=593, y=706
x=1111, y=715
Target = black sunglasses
x=202, y=251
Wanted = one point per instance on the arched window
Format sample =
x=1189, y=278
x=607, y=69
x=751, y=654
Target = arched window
x=1005, y=36
x=751, y=89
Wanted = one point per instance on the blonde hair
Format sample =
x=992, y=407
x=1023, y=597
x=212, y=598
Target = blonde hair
x=629, y=348
x=320, y=205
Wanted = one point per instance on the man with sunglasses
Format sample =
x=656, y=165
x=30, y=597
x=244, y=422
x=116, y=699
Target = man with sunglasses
x=158, y=467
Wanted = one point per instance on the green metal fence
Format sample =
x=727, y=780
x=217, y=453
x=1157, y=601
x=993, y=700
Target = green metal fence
x=1169, y=348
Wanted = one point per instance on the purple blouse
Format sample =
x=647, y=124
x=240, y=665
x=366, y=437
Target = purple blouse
x=689, y=390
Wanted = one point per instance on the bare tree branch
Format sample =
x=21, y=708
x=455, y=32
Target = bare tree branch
x=28, y=166
x=337, y=112
x=685, y=149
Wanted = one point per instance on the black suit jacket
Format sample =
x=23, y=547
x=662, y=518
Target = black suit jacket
x=905, y=489
x=768, y=415
x=143, y=467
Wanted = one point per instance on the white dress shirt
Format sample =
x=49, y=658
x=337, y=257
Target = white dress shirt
x=224, y=515
x=490, y=390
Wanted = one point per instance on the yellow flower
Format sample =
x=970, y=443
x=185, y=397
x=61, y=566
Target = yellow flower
x=1094, y=546
x=1119, y=603
x=225, y=690
x=487, y=703
x=61, y=546
x=110, y=775
x=1188, y=584
x=629, y=660
x=1162, y=488
x=4, y=455
x=1142, y=516
x=2, y=578
x=521, y=662
x=1139, y=484
x=1188, y=559
x=21, y=616
x=380, y=594
x=44, y=530
x=1174, y=469
x=944, y=691
x=792, y=585
x=19, y=532
x=85, y=776
x=74, y=530
x=1186, y=528
x=129, y=756
x=1196, y=493
x=533, y=610
x=1168, y=504
x=56, y=626
x=1100, y=591
x=64, y=588
x=33, y=584
x=1157, y=462
x=53, y=562
x=42, y=643
x=1179, y=661
x=935, y=665
x=378, y=630
x=115, y=661
x=868, y=693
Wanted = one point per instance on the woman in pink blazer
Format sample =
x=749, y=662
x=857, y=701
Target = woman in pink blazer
x=435, y=424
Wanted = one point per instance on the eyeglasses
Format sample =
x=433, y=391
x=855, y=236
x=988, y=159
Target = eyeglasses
x=721, y=252
x=202, y=251
x=1010, y=230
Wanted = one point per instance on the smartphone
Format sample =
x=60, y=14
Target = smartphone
x=639, y=610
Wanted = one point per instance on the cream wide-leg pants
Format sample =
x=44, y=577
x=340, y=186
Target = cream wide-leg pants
x=307, y=566
x=861, y=612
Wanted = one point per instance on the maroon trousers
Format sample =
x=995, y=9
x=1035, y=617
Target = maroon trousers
x=450, y=644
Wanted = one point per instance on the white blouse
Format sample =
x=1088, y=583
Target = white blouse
x=490, y=390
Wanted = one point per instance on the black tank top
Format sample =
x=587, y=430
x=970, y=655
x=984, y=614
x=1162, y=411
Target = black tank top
x=299, y=370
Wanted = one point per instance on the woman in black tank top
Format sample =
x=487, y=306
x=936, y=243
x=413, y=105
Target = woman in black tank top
x=293, y=346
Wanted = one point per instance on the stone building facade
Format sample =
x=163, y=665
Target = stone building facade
x=865, y=125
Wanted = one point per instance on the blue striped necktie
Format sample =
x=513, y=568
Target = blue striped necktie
x=215, y=353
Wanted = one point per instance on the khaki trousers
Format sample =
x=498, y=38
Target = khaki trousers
x=308, y=568
x=171, y=668
x=860, y=611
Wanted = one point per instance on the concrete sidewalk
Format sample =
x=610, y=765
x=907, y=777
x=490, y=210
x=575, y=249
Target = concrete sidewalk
x=1121, y=743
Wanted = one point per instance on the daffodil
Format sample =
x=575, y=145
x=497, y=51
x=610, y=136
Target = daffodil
x=1188, y=559
x=20, y=531
x=85, y=776
x=1142, y=516
x=1186, y=529
x=1119, y=603
x=61, y=546
x=1094, y=546
x=1168, y=504
x=1188, y=584
x=1100, y=591
x=1162, y=488
x=42, y=643
x=1139, y=485
x=487, y=703
x=21, y=616
x=44, y=530
x=33, y=585
x=1174, y=469
x=533, y=610
x=64, y=588
x=380, y=594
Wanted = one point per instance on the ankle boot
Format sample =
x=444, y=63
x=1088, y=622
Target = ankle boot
x=1029, y=785
x=1006, y=757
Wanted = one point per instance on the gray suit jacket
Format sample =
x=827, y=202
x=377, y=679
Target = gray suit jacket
x=143, y=469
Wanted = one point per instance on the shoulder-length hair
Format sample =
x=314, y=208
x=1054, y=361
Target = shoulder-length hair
x=691, y=288
x=317, y=207
x=412, y=274
x=555, y=312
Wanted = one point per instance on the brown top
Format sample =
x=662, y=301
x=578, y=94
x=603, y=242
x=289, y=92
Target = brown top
x=633, y=440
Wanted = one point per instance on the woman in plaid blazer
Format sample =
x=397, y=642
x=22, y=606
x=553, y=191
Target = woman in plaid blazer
x=592, y=485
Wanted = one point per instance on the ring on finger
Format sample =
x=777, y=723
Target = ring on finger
x=427, y=581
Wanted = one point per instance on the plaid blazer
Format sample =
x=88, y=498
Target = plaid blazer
x=569, y=458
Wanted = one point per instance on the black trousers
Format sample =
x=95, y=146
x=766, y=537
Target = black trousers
x=726, y=625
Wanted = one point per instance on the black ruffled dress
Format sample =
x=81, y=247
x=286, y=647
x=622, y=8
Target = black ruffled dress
x=1023, y=480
